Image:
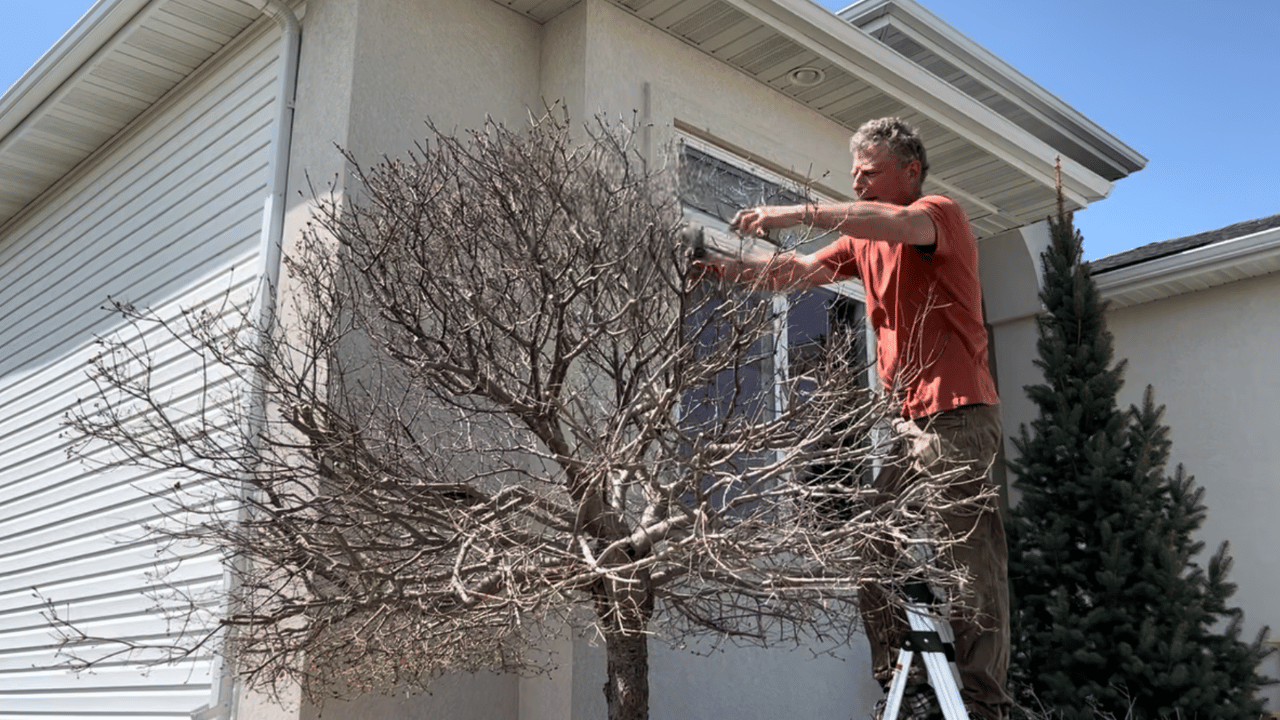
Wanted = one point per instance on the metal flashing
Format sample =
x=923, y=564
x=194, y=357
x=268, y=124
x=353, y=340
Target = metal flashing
x=1197, y=262
x=919, y=35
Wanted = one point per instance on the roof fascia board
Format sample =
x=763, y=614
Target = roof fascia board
x=139, y=124
x=840, y=42
x=962, y=51
x=1239, y=252
x=804, y=22
x=88, y=38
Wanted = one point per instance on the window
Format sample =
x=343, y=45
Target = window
x=714, y=186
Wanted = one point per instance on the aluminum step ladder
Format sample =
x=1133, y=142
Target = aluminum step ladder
x=931, y=636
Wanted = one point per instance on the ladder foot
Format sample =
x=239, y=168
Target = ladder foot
x=917, y=703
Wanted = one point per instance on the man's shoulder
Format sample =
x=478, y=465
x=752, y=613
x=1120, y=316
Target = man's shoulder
x=954, y=230
x=941, y=202
x=944, y=210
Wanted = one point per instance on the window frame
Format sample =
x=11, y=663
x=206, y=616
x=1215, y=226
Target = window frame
x=797, y=239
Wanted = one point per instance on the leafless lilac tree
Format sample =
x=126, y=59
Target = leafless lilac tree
x=500, y=402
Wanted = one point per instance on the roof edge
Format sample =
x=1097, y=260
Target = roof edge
x=1164, y=248
x=61, y=62
x=1243, y=256
x=985, y=65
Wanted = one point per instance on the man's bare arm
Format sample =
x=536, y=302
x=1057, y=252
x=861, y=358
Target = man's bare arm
x=773, y=270
x=885, y=222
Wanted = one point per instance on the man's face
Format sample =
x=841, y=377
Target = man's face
x=878, y=176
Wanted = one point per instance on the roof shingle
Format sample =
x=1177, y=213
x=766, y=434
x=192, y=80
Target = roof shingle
x=1165, y=248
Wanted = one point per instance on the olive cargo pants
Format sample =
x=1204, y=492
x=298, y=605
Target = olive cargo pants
x=967, y=437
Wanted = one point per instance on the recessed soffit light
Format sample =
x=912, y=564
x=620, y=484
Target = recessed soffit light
x=807, y=76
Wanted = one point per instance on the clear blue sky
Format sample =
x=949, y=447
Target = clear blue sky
x=1188, y=84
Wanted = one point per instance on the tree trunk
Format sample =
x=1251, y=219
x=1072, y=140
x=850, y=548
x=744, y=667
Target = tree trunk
x=627, y=689
x=624, y=607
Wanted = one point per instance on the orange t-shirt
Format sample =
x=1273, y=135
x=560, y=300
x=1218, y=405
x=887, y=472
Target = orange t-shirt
x=926, y=308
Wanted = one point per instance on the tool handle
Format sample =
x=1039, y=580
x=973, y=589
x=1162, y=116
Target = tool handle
x=694, y=236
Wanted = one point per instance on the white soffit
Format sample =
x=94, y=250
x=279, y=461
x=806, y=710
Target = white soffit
x=998, y=169
x=1193, y=269
x=110, y=68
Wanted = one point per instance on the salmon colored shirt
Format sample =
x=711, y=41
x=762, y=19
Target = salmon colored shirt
x=926, y=308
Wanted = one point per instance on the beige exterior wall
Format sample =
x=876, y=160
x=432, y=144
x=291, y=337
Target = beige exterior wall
x=451, y=61
x=1009, y=267
x=372, y=72
x=686, y=86
x=453, y=697
x=1210, y=356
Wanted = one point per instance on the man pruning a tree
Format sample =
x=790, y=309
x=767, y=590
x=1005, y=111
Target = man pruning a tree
x=917, y=258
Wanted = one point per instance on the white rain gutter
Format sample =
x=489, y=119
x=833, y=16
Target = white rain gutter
x=1231, y=259
x=224, y=700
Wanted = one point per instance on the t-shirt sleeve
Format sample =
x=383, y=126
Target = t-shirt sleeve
x=949, y=221
x=839, y=256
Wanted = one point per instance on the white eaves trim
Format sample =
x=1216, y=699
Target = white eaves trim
x=86, y=39
x=813, y=26
x=1194, y=269
x=949, y=43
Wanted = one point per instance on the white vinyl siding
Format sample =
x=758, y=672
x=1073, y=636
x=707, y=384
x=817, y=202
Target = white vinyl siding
x=169, y=216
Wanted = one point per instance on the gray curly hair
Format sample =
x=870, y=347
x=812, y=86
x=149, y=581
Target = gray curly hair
x=902, y=140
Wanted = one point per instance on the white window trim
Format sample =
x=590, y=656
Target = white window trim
x=851, y=288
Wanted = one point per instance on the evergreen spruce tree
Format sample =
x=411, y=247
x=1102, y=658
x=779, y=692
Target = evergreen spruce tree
x=1112, y=613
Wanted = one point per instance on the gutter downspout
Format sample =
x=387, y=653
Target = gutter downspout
x=274, y=212
x=224, y=700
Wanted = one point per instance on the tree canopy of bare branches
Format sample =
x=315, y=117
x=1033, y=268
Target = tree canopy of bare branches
x=498, y=401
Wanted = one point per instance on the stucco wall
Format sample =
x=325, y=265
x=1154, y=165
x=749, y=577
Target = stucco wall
x=1210, y=356
x=453, y=61
x=373, y=70
x=453, y=697
x=1009, y=267
x=687, y=86
x=730, y=684
x=371, y=73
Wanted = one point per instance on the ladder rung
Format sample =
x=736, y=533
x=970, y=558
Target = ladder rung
x=928, y=641
x=931, y=636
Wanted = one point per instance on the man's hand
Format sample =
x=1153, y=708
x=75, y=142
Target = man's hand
x=758, y=221
x=692, y=237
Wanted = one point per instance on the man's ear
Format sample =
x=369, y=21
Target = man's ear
x=913, y=169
